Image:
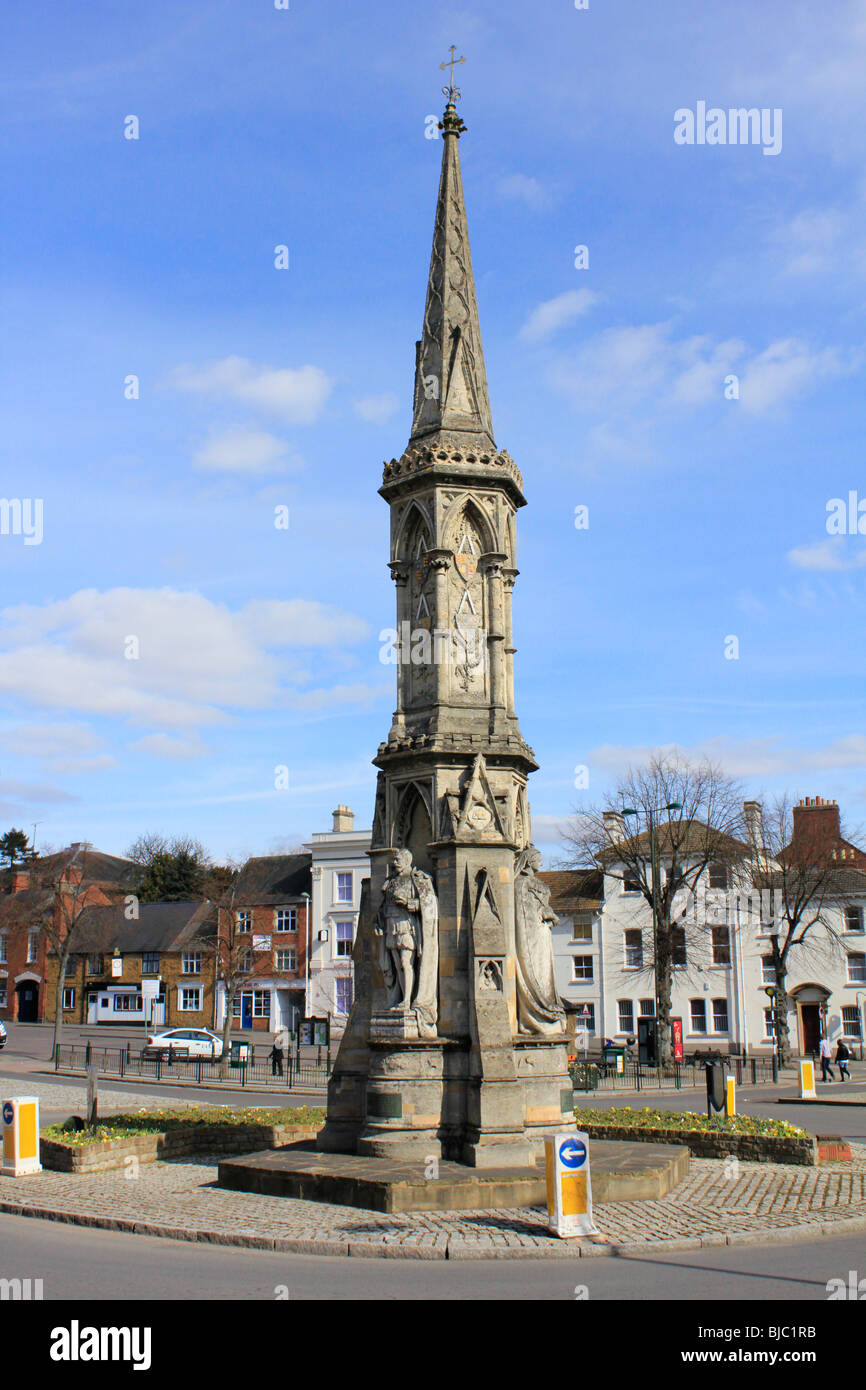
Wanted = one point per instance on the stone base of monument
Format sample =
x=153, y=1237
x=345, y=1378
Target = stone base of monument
x=621, y=1172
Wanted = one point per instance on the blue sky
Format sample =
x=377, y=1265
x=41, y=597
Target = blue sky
x=260, y=388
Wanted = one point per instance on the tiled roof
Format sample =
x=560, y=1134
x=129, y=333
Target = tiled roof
x=160, y=927
x=274, y=878
x=573, y=889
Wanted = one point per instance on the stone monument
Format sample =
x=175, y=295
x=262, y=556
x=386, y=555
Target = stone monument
x=455, y=1046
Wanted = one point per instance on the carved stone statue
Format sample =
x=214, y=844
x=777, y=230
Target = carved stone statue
x=407, y=924
x=539, y=1007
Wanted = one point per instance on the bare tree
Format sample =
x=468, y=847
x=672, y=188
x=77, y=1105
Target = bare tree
x=671, y=813
x=810, y=881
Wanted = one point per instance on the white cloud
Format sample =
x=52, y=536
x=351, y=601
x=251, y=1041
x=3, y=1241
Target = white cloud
x=246, y=451
x=629, y=366
x=165, y=746
x=297, y=395
x=756, y=757
x=553, y=314
x=356, y=696
x=49, y=740
x=195, y=658
x=376, y=410
x=526, y=190
x=827, y=554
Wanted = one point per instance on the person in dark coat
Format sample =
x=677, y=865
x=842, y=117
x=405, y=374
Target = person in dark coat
x=841, y=1059
x=276, y=1056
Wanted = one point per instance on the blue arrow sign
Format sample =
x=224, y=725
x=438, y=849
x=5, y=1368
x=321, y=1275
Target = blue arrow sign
x=8, y=1112
x=572, y=1153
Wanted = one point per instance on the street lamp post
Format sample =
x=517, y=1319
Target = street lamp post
x=306, y=898
x=770, y=991
x=652, y=813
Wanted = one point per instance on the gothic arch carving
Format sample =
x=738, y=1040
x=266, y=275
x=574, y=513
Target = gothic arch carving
x=415, y=524
x=466, y=505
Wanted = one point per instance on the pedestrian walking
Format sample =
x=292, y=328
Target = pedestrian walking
x=276, y=1055
x=826, y=1057
x=842, y=1058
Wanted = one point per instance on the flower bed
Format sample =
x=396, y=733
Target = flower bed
x=742, y=1136
x=121, y=1141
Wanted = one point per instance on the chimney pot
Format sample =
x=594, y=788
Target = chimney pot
x=344, y=818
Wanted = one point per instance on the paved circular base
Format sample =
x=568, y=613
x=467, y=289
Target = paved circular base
x=719, y=1203
x=621, y=1172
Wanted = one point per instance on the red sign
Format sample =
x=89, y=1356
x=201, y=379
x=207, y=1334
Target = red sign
x=677, y=1033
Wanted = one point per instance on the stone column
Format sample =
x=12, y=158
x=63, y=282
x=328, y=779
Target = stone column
x=508, y=578
x=442, y=648
x=400, y=570
x=491, y=565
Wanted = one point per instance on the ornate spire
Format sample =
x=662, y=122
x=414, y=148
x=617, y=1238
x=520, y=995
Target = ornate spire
x=451, y=399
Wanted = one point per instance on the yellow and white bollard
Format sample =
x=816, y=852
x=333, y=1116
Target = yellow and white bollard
x=569, y=1190
x=20, y=1137
x=730, y=1095
x=807, y=1080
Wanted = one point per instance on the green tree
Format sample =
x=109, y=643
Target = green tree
x=174, y=870
x=14, y=847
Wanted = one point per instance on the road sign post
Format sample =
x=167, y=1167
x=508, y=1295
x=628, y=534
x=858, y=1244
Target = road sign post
x=730, y=1095
x=20, y=1136
x=569, y=1190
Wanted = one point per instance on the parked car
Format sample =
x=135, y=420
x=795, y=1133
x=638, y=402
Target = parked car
x=2, y=1034
x=189, y=1042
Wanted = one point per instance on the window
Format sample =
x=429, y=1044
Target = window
x=191, y=962
x=345, y=996
x=245, y=963
x=699, y=1015
x=582, y=969
x=32, y=947
x=286, y=919
x=149, y=962
x=262, y=943
x=721, y=946
x=287, y=960
x=3, y=955
x=631, y=881
x=244, y=920
x=856, y=968
x=126, y=1003
x=585, y=1019
x=625, y=1011
x=261, y=1003
x=720, y=1015
x=2, y=994
x=647, y=1008
x=345, y=938
x=68, y=999
x=678, y=946
x=344, y=888
x=236, y=1006
x=71, y=965
x=853, y=917
x=852, y=1024
x=633, y=950
x=581, y=927
x=718, y=876
x=769, y=1024
x=94, y=965
x=190, y=1000
x=768, y=971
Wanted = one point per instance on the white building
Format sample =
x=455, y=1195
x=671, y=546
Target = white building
x=722, y=962
x=339, y=863
x=604, y=956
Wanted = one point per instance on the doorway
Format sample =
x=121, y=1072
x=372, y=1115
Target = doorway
x=810, y=1015
x=28, y=1001
x=246, y=1010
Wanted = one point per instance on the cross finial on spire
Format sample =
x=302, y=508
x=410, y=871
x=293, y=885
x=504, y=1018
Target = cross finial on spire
x=451, y=92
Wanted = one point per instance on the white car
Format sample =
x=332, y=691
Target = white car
x=2, y=1035
x=191, y=1042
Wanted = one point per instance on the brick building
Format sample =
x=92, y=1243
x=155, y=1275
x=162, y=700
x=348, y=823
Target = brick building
x=43, y=899
x=158, y=969
x=263, y=935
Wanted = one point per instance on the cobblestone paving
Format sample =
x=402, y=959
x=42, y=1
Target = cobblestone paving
x=719, y=1202
x=70, y=1099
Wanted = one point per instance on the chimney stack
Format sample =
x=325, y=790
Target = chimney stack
x=614, y=826
x=344, y=819
x=816, y=825
x=752, y=817
x=20, y=880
